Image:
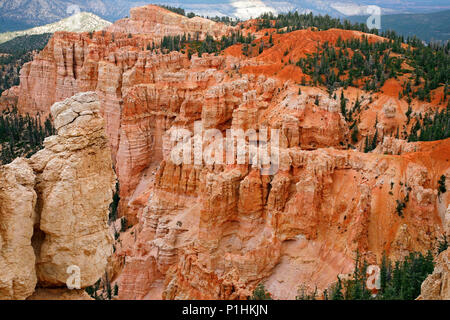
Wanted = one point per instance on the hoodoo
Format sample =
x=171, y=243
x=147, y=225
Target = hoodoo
x=363, y=160
x=54, y=207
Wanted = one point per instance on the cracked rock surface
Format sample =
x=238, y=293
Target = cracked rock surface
x=54, y=206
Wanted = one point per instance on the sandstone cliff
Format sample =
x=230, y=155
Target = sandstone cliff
x=214, y=233
x=17, y=218
x=214, y=230
x=437, y=285
x=54, y=206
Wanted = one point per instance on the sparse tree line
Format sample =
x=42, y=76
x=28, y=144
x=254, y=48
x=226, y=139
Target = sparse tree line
x=348, y=63
x=102, y=289
x=373, y=63
x=181, y=11
x=22, y=135
x=177, y=10
x=400, y=280
x=193, y=45
x=293, y=21
x=431, y=128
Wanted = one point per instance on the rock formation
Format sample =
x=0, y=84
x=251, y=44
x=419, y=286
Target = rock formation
x=304, y=225
x=17, y=218
x=9, y=98
x=437, y=285
x=54, y=206
x=158, y=22
x=216, y=230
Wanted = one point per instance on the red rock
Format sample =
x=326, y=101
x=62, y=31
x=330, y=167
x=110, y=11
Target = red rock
x=216, y=231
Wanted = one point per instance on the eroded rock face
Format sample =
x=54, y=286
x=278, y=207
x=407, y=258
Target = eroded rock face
x=396, y=147
x=57, y=204
x=17, y=218
x=9, y=98
x=301, y=226
x=75, y=186
x=437, y=285
x=215, y=231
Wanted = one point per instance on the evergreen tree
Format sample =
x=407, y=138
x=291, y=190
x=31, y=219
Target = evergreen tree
x=22, y=135
x=343, y=105
x=355, y=134
x=336, y=291
x=384, y=273
x=260, y=293
x=442, y=245
x=441, y=185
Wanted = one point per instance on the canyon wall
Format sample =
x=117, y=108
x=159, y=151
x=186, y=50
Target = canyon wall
x=217, y=232
x=54, y=206
x=17, y=218
x=214, y=231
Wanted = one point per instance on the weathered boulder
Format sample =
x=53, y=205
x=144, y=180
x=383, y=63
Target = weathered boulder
x=75, y=184
x=54, y=206
x=17, y=217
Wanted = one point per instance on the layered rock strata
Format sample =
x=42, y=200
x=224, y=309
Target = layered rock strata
x=54, y=206
x=217, y=230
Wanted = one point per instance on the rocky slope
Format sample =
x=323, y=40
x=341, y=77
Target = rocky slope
x=54, y=206
x=216, y=230
x=17, y=257
x=437, y=285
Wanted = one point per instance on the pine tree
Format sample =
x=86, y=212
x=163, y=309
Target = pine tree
x=260, y=293
x=343, y=105
x=355, y=134
x=375, y=140
x=441, y=185
x=316, y=101
x=336, y=293
x=384, y=273
x=366, y=145
x=442, y=245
